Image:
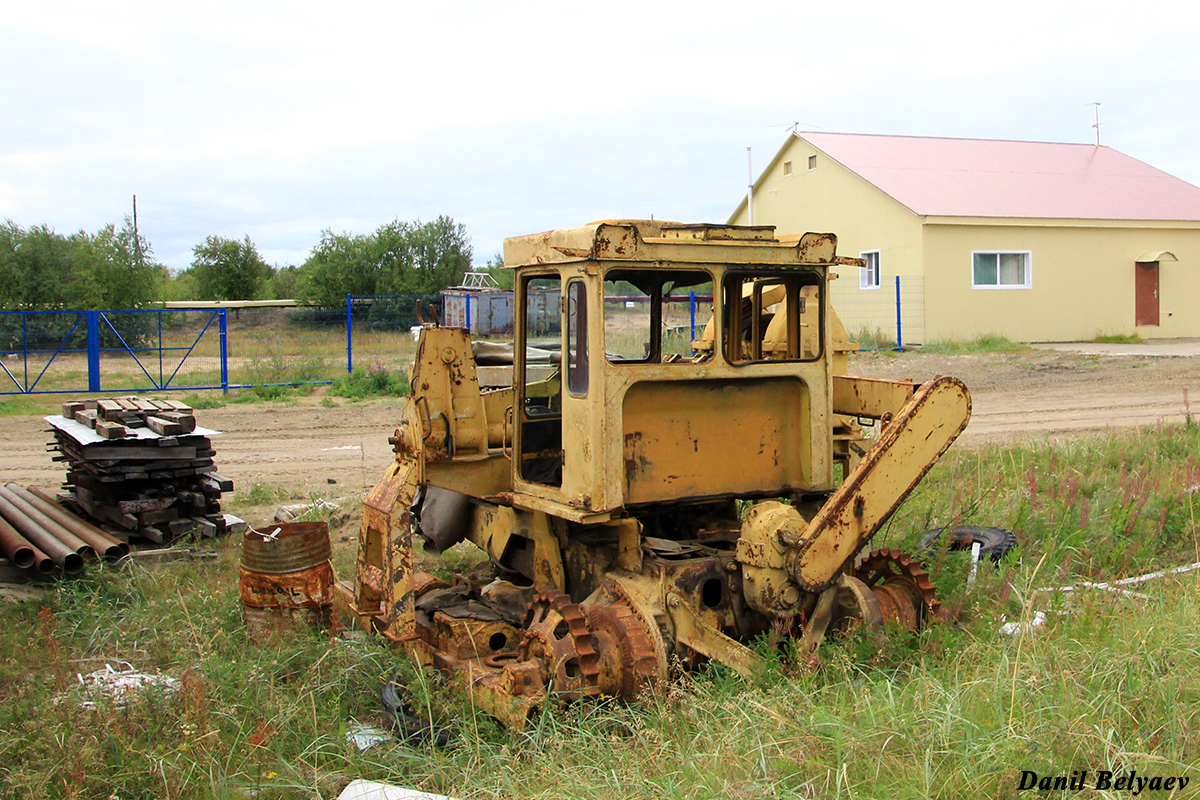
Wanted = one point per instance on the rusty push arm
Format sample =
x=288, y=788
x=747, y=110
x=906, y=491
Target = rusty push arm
x=870, y=397
x=919, y=433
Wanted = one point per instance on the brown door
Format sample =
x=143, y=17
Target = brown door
x=1145, y=289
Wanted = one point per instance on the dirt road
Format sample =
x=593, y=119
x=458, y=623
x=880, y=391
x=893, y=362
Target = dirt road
x=1051, y=393
x=303, y=446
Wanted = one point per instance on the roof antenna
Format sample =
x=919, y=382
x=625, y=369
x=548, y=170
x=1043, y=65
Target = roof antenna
x=1097, y=123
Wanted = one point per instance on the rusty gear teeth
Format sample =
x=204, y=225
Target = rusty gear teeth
x=559, y=637
x=896, y=577
x=629, y=657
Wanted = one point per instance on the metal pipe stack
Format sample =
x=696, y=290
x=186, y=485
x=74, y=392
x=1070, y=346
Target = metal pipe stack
x=38, y=534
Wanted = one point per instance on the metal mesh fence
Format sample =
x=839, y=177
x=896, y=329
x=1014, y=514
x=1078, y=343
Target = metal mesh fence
x=273, y=346
x=380, y=329
x=181, y=349
x=140, y=351
x=879, y=319
x=42, y=351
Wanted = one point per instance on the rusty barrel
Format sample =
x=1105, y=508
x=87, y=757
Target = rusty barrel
x=285, y=579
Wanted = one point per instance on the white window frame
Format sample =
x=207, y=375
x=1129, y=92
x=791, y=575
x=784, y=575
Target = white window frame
x=864, y=273
x=1028, y=284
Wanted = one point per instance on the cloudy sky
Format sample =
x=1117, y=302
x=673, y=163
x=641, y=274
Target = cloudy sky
x=279, y=120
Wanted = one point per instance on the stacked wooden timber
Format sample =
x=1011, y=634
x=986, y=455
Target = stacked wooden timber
x=143, y=466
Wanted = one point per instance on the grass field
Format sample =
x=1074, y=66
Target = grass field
x=1107, y=683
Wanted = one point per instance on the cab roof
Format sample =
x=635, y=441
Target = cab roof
x=657, y=242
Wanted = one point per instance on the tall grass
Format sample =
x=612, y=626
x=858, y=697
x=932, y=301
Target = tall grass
x=1108, y=682
x=873, y=339
x=986, y=343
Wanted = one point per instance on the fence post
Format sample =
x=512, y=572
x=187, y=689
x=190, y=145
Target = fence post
x=349, y=336
x=93, y=349
x=25, y=351
x=899, y=332
x=160, y=353
x=224, y=351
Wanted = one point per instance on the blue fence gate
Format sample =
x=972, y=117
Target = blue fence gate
x=47, y=352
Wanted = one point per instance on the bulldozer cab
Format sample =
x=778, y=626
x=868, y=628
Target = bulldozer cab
x=661, y=375
x=658, y=362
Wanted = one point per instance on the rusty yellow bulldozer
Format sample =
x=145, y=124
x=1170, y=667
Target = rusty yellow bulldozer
x=648, y=496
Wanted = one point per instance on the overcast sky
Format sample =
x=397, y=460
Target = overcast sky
x=279, y=120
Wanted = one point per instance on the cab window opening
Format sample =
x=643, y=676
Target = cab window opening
x=653, y=316
x=577, y=339
x=760, y=324
x=541, y=405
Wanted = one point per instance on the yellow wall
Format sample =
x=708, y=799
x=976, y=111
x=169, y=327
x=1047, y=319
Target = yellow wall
x=832, y=199
x=1083, y=283
x=1082, y=280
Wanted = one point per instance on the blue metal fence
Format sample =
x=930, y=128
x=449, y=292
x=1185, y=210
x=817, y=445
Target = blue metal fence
x=376, y=325
x=67, y=352
x=890, y=316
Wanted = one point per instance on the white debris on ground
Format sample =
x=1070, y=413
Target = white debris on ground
x=1039, y=617
x=365, y=737
x=292, y=512
x=119, y=687
x=1013, y=628
x=370, y=790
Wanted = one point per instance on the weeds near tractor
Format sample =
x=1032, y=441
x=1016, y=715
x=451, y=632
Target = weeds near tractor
x=263, y=494
x=375, y=381
x=1108, y=682
x=988, y=343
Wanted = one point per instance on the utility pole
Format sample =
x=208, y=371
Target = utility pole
x=137, y=240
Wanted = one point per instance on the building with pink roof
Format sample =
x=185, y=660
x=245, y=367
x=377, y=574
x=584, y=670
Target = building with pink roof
x=1036, y=241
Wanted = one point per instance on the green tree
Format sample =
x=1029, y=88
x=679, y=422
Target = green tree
x=500, y=274
x=339, y=265
x=112, y=270
x=228, y=269
x=41, y=269
x=283, y=283
x=398, y=258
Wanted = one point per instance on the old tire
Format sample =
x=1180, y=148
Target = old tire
x=994, y=542
x=414, y=731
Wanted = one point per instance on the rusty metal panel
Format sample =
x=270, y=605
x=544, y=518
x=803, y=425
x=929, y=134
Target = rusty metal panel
x=704, y=438
x=870, y=397
x=656, y=241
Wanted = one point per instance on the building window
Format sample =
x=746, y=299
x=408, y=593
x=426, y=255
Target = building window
x=787, y=168
x=812, y=162
x=1001, y=270
x=868, y=276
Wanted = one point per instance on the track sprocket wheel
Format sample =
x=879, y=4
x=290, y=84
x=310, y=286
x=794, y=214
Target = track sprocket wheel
x=557, y=635
x=629, y=658
x=902, y=586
